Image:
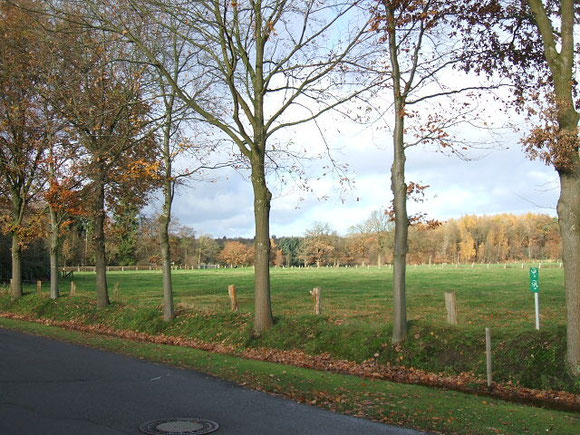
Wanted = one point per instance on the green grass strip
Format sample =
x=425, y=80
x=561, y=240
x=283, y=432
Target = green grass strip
x=408, y=405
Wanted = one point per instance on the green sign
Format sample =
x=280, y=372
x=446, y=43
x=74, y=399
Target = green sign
x=534, y=279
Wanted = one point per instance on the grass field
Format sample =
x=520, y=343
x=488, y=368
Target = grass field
x=356, y=319
x=492, y=297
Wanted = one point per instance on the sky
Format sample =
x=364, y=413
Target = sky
x=497, y=179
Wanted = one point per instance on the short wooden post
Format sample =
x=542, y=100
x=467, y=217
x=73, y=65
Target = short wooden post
x=233, y=297
x=488, y=355
x=316, y=294
x=73, y=288
x=451, y=306
x=39, y=287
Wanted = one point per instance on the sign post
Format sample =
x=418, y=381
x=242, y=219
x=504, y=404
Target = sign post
x=535, y=288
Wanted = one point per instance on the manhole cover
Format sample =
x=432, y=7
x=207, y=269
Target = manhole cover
x=179, y=426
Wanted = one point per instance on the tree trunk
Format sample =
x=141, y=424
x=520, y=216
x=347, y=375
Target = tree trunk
x=16, y=284
x=569, y=220
x=263, y=306
x=399, y=189
x=561, y=63
x=168, y=309
x=99, y=237
x=54, y=254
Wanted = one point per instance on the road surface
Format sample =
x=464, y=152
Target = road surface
x=52, y=387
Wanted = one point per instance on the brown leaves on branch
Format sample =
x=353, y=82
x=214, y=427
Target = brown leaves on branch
x=551, y=144
x=410, y=12
x=415, y=193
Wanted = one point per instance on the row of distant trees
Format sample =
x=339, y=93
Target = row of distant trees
x=482, y=239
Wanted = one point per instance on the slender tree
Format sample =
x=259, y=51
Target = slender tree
x=24, y=124
x=421, y=46
x=64, y=203
x=174, y=143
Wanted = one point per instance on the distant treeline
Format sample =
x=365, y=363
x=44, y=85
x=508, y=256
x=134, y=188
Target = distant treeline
x=482, y=239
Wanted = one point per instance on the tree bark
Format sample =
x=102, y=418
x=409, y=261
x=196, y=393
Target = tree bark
x=168, y=308
x=399, y=189
x=54, y=254
x=99, y=237
x=263, y=316
x=16, y=284
x=569, y=220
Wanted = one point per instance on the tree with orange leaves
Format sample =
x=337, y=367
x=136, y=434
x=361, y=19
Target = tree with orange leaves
x=102, y=101
x=24, y=126
x=237, y=254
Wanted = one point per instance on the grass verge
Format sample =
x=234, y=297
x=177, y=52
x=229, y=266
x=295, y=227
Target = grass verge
x=522, y=357
x=414, y=406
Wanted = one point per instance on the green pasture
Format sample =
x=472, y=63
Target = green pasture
x=492, y=297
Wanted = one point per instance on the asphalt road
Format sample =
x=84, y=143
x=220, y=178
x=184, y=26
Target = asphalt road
x=51, y=387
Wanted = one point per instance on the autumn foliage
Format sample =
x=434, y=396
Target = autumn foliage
x=237, y=254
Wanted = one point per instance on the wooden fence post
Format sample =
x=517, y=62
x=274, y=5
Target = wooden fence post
x=38, y=287
x=73, y=288
x=316, y=294
x=488, y=355
x=451, y=306
x=233, y=297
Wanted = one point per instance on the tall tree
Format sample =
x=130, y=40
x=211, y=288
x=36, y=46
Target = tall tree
x=377, y=226
x=421, y=46
x=290, y=246
x=560, y=143
x=207, y=249
x=272, y=64
x=24, y=127
x=532, y=43
x=236, y=254
x=102, y=100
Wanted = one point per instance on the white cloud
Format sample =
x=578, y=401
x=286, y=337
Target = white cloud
x=496, y=181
